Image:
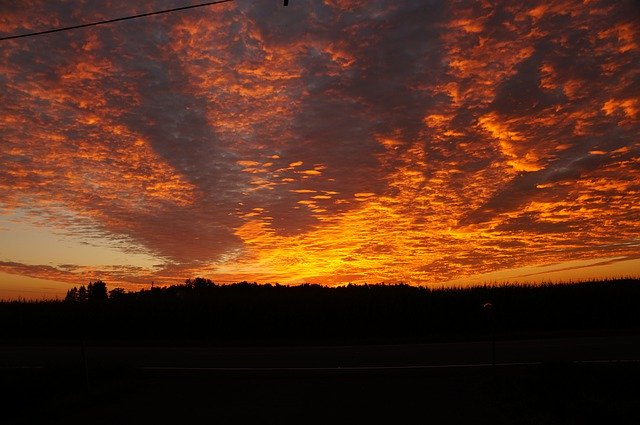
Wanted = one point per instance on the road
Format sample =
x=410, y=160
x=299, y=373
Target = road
x=549, y=381
x=585, y=349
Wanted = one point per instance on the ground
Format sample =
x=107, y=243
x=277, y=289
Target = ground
x=306, y=385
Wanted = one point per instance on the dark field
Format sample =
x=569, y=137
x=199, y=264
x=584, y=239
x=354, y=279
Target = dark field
x=246, y=353
x=568, y=381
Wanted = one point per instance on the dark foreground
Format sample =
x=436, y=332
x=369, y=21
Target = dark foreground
x=562, y=381
x=540, y=394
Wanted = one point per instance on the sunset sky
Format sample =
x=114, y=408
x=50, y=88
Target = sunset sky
x=329, y=141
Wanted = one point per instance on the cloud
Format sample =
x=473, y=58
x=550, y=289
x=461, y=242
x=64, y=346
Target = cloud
x=418, y=141
x=595, y=264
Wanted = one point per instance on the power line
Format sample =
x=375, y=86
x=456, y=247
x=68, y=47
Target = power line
x=109, y=21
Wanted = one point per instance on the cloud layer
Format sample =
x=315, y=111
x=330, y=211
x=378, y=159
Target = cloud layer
x=330, y=141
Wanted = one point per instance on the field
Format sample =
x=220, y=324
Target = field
x=245, y=353
x=552, y=381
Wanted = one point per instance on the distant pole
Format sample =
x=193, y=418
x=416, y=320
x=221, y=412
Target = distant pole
x=493, y=344
x=488, y=308
x=85, y=364
x=84, y=320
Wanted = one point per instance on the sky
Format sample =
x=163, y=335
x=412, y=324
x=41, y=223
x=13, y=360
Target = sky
x=329, y=141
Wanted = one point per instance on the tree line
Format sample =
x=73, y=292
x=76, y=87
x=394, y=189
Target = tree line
x=201, y=311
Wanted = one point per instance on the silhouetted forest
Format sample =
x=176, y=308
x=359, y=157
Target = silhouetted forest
x=200, y=311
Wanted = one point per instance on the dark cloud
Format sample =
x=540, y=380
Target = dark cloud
x=522, y=94
x=528, y=222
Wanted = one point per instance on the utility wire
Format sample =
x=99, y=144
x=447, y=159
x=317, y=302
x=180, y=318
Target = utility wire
x=109, y=21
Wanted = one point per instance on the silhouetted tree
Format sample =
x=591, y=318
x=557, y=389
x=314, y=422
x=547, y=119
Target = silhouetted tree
x=116, y=294
x=82, y=294
x=72, y=295
x=97, y=291
x=94, y=292
x=199, y=283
